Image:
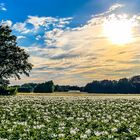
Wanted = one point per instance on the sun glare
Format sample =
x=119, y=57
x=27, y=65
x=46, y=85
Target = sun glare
x=118, y=31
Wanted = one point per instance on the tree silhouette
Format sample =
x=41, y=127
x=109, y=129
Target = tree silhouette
x=13, y=59
x=47, y=87
x=136, y=83
x=123, y=85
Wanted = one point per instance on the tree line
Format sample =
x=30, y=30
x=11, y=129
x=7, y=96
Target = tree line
x=124, y=85
x=46, y=87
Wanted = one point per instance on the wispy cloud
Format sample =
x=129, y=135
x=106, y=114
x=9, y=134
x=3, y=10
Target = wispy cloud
x=34, y=24
x=20, y=37
x=113, y=9
x=3, y=7
x=21, y=27
x=47, y=21
x=116, y=6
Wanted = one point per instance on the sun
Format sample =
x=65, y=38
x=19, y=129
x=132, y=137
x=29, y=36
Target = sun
x=118, y=31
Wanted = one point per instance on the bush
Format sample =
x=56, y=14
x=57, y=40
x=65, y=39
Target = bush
x=3, y=91
x=8, y=91
x=25, y=90
x=47, y=87
x=12, y=91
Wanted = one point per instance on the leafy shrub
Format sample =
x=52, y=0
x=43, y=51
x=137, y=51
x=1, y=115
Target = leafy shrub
x=47, y=87
x=3, y=91
x=25, y=90
x=8, y=91
x=12, y=91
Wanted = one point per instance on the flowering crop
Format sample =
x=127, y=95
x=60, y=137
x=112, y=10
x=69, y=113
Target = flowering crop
x=69, y=118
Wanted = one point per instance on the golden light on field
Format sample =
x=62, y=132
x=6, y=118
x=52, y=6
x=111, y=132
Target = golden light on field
x=119, y=31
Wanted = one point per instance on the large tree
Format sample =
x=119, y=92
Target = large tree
x=13, y=59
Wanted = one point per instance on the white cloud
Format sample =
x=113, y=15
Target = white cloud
x=21, y=27
x=6, y=22
x=37, y=22
x=2, y=7
x=111, y=10
x=116, y=6
x=21, y=37
x=38, y=37
x=51, y=36
x=44, y=23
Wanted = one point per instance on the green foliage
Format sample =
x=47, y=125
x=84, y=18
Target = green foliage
x=3, y=91
x=13, y=59
x=12, y=90
x=29, y=85
x=8, y=91
x=47, y=87
x=69, y=118
x=123, y=85
x=25, y=89
x=67, y=88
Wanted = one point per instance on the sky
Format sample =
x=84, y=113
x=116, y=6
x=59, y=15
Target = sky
x=76, y=42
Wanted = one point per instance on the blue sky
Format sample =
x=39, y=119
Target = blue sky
x=19, y=10
x=66, y=42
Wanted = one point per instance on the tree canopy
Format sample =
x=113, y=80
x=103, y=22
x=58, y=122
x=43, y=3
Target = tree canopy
x=13, y=59
x=123, y=85
x=47, y=87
